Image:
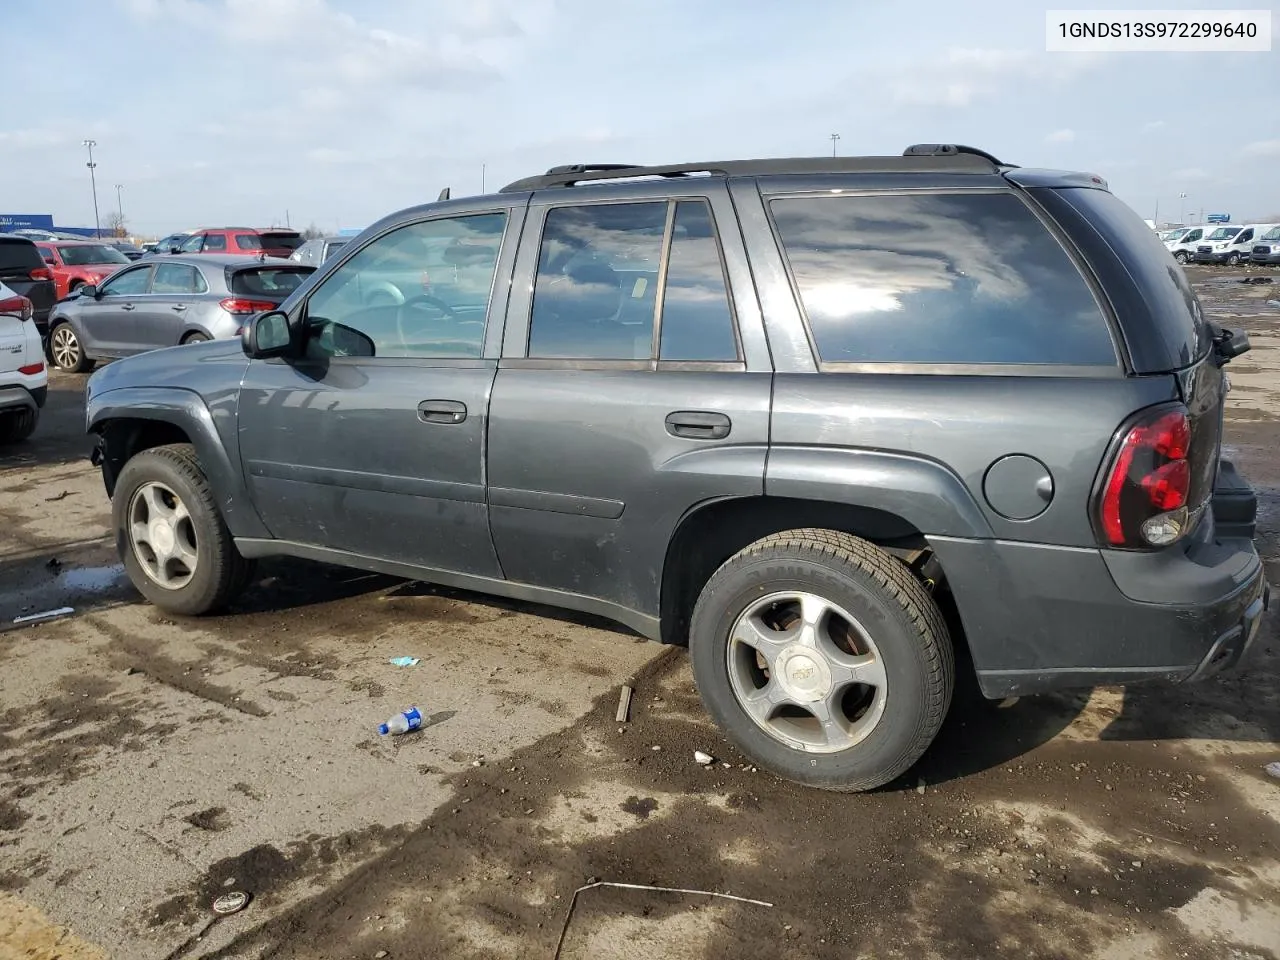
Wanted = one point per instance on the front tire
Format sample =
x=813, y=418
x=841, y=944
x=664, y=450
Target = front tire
x=823, y=658
x=1180, y=256
x=17, y=425
x=65, y=350
x=1233, y=260
x=174, y=544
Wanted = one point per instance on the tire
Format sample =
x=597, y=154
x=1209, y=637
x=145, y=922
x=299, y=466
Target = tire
x=17, y=425
x=149, y=488
x=1233, y=260
x=65, y=350
x=195, y=336
x=74, y=286
x=882, y=726
x=1180, y=256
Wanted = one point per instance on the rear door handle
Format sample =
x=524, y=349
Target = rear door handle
x=698, y=425
x=126, y=306
x=442, y=411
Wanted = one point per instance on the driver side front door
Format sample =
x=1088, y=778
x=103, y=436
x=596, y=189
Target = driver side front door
x=372, y=444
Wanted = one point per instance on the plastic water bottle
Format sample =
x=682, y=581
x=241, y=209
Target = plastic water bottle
x=410, y=719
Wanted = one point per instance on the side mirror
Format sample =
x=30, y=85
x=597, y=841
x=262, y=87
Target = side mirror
x=175, y=248
x=89, y=290
x=267, y=335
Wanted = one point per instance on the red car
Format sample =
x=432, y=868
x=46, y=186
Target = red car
x=77, y=262
x=272, y=242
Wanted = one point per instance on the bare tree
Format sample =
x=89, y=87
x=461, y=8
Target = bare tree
x=116, y=225
x=312, y=233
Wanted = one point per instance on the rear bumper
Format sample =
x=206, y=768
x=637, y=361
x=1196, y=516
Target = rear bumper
x=1040, y=617
x=16, y=398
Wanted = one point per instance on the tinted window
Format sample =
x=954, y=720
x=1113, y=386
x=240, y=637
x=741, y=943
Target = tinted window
x=177, y=278
x=597, y=282
x=281, y=241
x=696, y=321
x=420, y=291
x=276, y=282
x=19, y=253
x=215, y=242
x=939, y=279
x=77, y=255
x=127, y=284
x=1161, y=282
x=193, y=243
x=1245, y=236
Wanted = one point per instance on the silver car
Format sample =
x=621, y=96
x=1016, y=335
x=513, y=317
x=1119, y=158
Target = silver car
x=164, y=303
x=317, y=251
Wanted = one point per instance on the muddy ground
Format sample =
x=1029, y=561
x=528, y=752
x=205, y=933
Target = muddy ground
x=148, y=765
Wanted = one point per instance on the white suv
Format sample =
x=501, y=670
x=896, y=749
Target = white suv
x=24, y=381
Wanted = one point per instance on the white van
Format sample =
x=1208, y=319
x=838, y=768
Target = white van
x=1184, y=248
x=1231, y=250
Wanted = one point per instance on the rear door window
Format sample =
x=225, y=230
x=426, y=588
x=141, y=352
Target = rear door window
x=178, y=278
x=939, y=279
x=215, y=243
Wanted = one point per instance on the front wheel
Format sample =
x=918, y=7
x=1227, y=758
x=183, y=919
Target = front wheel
x=1180, y=256
x=1233, y=260
x=823, y=658
x=66, y=351
x=175, y=546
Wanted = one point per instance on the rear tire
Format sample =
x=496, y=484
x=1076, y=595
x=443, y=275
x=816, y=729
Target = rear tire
x=170, y=535
x=65, y=350
x=195, y=337
x=17, y=425
x=850, y=683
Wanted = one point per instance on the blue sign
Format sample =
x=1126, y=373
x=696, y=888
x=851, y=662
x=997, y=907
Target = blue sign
x=25, y=221
x=1219, y=218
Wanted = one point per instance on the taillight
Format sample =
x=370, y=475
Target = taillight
x=239, y=305
x=41, y=273
x=31, y=369
x=19, y=307
x=1144, y=497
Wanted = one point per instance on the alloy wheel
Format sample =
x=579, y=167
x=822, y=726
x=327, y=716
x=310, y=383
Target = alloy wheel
x=65, y=348
x=162, y=535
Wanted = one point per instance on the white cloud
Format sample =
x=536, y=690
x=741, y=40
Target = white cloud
x=1153, y=125
x=1190, y=174
x=965, y=74
x=1061, y=136
x=1261, y=148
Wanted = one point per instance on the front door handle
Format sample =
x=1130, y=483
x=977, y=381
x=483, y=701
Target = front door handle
x=442, y=411
x=178, y=306
x=126, y=306
x=698, y=425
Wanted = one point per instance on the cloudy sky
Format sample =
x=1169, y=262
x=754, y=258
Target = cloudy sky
x=336, y=112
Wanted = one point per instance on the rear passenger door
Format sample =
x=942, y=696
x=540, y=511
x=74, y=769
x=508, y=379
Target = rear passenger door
x=634, y=386
x=163, y=317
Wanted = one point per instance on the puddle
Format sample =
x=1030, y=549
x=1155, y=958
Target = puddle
x=79, y=587
x=92, y=579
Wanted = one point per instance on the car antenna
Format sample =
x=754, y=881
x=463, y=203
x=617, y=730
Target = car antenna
x=444, y=195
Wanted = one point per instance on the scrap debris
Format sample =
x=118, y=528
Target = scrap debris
x=624, y=703
x=46, y=615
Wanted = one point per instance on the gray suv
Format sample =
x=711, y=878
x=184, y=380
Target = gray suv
x=830, y=422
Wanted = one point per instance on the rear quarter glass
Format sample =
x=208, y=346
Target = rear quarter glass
x=938, y=278
x=1159, y=314
x=19, y=255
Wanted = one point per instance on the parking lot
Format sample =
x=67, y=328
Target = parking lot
x=148, y=765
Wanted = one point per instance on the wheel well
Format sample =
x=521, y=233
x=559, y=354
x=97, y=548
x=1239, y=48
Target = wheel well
x=121, y=440
x=711, y=534
x=75, y=282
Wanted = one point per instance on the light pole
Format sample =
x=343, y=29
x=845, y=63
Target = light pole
x=482, y=166
x=1182, y=208
x=833, y=138
x=93, y=181
x=119, y=208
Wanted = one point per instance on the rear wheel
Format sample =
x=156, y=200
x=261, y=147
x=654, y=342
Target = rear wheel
x=175, y=546
x=823, y=658
x=195, y=337
x=17, y=425
x=66, y=351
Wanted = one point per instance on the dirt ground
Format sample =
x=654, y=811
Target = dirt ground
x=148, y=765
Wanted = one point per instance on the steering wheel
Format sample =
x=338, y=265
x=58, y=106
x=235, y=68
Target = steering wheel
x=423, y=311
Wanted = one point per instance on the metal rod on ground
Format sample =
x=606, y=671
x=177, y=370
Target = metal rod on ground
x=573, y=901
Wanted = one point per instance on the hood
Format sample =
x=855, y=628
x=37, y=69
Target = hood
x=101, y=270
x=218, y=363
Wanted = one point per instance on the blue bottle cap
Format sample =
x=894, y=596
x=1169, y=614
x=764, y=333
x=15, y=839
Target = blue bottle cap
x=383, y=729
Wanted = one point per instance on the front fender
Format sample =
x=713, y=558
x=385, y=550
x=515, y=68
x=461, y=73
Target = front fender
x=120, y=417
x=923, y=492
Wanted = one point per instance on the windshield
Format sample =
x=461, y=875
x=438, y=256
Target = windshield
x=1272, y=234
x=81, y=255
x=1223, y=233
x=1170, y=235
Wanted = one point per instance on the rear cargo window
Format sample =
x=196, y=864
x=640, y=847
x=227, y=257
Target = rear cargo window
x=277, y=282
x=19, y=255
x=268, y=241
x=938, y=278
x=1161, y=283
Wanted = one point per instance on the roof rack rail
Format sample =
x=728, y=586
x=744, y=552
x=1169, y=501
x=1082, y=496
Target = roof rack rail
x=949, y=150
x=956, y=160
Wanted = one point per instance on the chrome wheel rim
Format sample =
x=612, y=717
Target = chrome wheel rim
x=163, y=536
x=65, y=347
x=806, y=672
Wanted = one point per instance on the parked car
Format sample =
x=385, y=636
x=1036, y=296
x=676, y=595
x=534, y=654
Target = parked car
x=317, y=251
x=825, y=420
x=170, y=244
x=131, y=251
x=1267, y=251
x=24, y=381
x=1212, y=241
x=23, y=269
x=1184, y=247
x=178, y=300
x=231, y=240
x=1232, y=250
x=77, y=262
